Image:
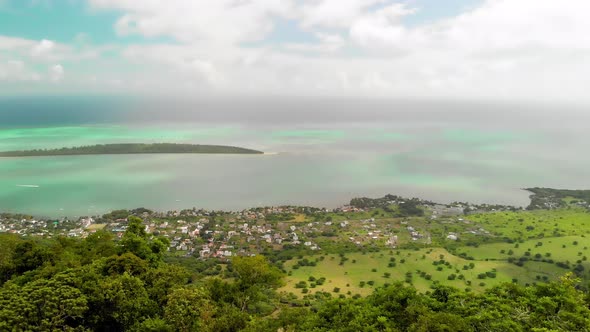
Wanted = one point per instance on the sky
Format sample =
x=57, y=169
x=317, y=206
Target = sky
x=513, y=50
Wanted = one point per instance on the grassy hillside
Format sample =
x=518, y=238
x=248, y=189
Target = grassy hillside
x=416, y=266
x=524, y=247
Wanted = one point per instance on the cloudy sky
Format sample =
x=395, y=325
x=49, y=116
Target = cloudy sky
x=459, y=49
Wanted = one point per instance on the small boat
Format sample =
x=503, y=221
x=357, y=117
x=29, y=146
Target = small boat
x=27, y=185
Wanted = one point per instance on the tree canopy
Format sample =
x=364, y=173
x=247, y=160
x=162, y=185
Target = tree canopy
x=100, y=284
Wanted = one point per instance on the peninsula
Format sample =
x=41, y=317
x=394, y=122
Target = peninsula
x=131, y=148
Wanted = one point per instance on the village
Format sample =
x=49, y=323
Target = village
x=217, y=234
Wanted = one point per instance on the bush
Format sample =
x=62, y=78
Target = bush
x=301, y=284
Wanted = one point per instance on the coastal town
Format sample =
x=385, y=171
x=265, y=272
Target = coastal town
x=387, y=222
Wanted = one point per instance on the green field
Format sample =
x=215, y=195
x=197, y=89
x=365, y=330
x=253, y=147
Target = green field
x=348, y=276
x=535, y=224
x=524, y=246
x=567, y=248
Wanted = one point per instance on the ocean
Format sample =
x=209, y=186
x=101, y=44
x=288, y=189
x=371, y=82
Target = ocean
x=324, y=152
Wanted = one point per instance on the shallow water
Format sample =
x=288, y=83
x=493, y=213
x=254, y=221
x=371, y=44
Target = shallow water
x=322, y=160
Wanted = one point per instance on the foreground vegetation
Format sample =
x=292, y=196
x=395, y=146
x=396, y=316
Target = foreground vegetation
x=97, y=284
x=132, y=148
x=388, y=264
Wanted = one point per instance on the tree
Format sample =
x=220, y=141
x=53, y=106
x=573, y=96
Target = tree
x=153, y=325
x=254, y=271
x=125, y=263
x=254, y=277
x=440, y=322
x=119, y=302
x=189, y=309
x=28, y=255
x=136, y=241
x=44, y=304
x=393, y=302
x=97, y=245
x=159, y=282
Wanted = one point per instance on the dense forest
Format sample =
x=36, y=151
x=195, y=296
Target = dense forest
x=131, y=148
x=104, y=284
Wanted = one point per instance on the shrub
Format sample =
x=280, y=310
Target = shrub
x=301, y=284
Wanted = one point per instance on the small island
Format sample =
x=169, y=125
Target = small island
x=131, y=148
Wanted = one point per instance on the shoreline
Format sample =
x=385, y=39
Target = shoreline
x=337, y=206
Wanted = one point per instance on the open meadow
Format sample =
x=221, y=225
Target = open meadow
x=524, y=247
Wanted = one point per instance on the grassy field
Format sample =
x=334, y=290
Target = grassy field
x=373, y=266
x=497, y=247
x=567, y=248
x=534, y=224
x=96, y=226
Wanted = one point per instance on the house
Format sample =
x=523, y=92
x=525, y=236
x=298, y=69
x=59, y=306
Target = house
x=452, y=236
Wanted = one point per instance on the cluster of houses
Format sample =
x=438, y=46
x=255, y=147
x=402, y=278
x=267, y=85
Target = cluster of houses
x=217, y=234
x=23, y=226
x=241, y=233
x=28, y=226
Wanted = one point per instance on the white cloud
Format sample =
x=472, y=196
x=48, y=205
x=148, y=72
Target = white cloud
x=503, y=48
x=326, y=43
x=496, y=25
x=510, y=49
x=198, y=21
x=43, y=48
x=56, y=73
x=17, y=70
x=14, y=43
x=334, y=13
